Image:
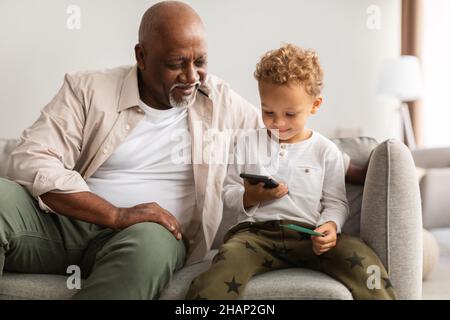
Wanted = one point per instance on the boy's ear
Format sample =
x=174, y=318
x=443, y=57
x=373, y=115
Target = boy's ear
x=316, y=104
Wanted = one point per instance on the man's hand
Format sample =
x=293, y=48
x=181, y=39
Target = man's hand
x=147, y=212
x=87, y=206
x=323, y=244
x=257, y=193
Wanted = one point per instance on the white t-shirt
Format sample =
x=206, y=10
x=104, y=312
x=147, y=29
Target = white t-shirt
x=313, y=170
x=153, y=164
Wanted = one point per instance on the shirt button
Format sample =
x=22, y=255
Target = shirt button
x=282, y=153
x=105, y=151
x=127, y=127
x=307, y=170
x=283, y=146
x=140, y=111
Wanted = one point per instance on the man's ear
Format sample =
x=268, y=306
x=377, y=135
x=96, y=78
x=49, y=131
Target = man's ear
x=316, y=104
x=139, y=53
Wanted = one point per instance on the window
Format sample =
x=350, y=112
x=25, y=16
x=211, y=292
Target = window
x=436, y=70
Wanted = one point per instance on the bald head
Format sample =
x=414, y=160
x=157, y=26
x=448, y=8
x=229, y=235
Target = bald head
x=167, y=17
x=171, y=55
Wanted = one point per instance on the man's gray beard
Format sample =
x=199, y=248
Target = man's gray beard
x=185, y=101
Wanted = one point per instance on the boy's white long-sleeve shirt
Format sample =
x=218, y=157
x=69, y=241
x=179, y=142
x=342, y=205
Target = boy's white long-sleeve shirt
x=313, y=170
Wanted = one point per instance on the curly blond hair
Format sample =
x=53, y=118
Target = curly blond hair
x=291, y=64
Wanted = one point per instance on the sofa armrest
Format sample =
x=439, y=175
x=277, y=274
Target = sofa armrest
x=434, y=187
x=391, y=216
x=432, y=157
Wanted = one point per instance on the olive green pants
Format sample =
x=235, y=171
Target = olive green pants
x=255, y=248
x=134, y=263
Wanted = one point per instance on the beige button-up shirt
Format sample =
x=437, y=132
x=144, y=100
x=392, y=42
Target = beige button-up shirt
x=94, y=112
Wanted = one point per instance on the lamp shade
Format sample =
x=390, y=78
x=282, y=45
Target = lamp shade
x=401, y=78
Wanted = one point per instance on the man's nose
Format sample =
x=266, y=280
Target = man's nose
x=190, y=75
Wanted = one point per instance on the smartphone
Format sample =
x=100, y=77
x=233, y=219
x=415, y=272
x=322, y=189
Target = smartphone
x=269, y=183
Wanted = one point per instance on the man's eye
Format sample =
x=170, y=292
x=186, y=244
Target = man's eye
x=200, y=63
x=290, y=114
x=269, y=113
x=174, y=66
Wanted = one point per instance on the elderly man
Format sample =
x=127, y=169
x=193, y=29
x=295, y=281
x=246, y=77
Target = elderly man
x=96, y=181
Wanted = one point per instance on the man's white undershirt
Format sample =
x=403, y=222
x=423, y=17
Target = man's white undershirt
x=153, y=164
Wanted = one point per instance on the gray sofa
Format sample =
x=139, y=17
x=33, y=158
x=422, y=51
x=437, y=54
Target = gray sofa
x=386, y=214
x=433, y=165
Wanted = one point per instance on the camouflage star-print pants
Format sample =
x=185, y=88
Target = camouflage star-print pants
x=252, y=248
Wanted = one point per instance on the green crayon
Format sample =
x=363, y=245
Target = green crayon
x=304, y=230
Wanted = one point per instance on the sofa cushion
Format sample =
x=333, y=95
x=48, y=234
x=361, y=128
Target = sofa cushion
x=6, y=146
x=294, y=283
x=34, y=287
x=359, y=150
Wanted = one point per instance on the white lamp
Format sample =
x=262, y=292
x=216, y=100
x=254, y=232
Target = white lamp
x=401, y=78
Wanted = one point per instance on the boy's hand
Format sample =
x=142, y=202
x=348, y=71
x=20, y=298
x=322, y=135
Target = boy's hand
x=255, y=193
x=323, y=244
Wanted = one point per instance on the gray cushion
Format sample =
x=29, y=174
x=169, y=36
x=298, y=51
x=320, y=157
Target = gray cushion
x=6, y=146
x=359, y=150
x=33, y=286
x=295, y=283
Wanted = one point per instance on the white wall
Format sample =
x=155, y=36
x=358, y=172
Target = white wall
x=36, y=49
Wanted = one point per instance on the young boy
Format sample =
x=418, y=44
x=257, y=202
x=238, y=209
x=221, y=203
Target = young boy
x=311, y=194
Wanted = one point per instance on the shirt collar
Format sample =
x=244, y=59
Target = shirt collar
x=129, y=95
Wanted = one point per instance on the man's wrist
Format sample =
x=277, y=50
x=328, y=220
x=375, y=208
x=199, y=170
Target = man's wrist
x=117, y=218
